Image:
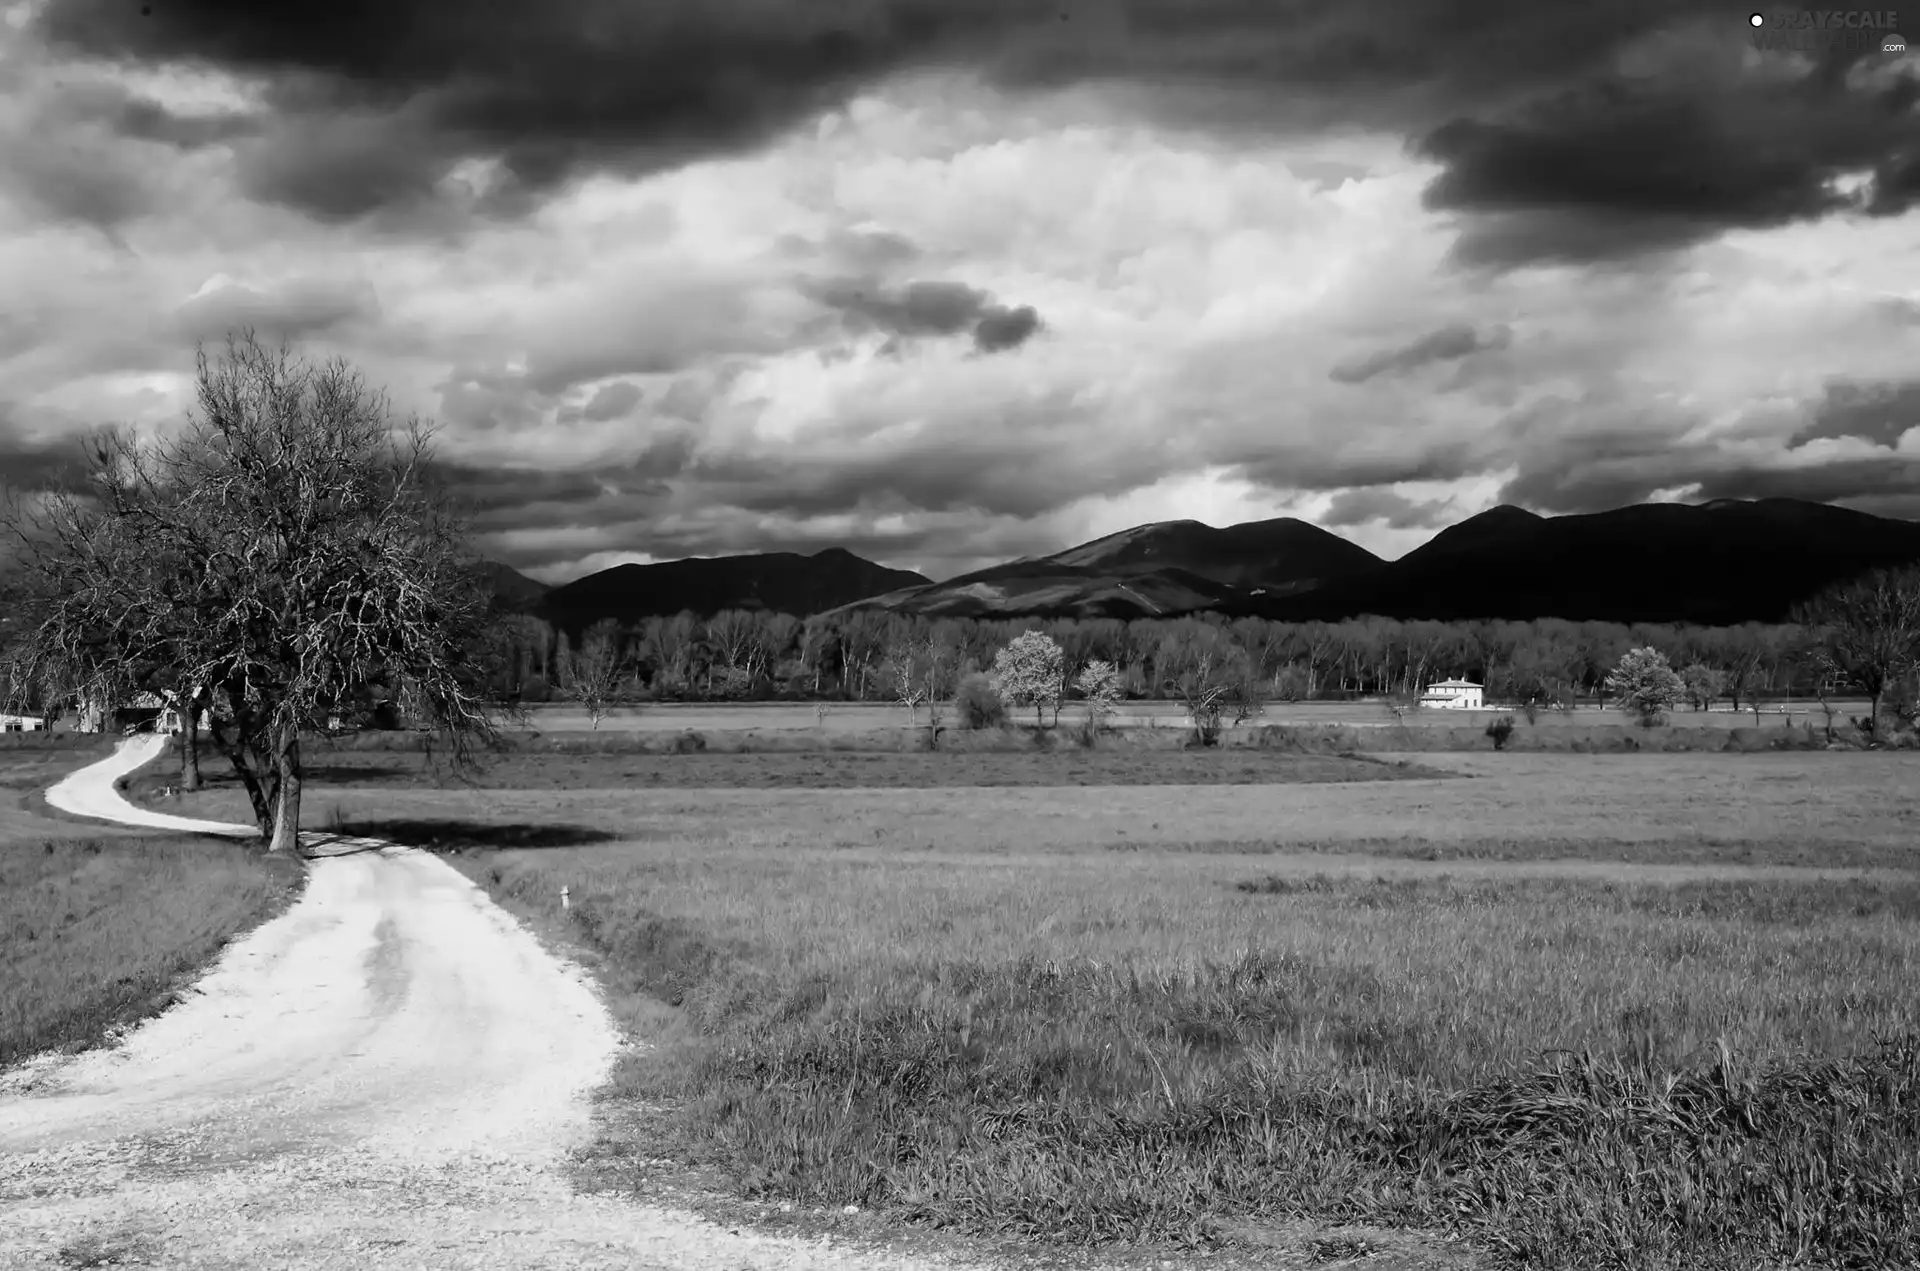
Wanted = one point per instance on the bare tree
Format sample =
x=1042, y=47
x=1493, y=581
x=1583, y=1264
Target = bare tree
x=1869, y=631
x=907, y=675
x=597, y=668
x=1219, y=689
x=288, y=549
x=919, y=669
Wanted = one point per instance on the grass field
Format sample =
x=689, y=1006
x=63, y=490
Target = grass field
x=1095, y=1011
x=101, y=926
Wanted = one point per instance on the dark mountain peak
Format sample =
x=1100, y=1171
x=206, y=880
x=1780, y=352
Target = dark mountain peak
x=783, y=582
x=512, y=589
x=1501, y=514
x=1728, y=561
x=1496, y=524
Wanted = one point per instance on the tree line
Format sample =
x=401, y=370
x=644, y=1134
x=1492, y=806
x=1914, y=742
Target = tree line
x=862, y=656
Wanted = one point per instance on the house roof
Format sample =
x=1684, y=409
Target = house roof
x=1453, y=684
x=145, y=702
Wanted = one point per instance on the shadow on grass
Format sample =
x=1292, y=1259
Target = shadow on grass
x=457, y=836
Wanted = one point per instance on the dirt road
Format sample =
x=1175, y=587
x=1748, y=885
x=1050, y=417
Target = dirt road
x=390, y=1074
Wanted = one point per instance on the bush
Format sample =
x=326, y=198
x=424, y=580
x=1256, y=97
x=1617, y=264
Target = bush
x=1500, y=730
x=978, y=704
x=687, y=743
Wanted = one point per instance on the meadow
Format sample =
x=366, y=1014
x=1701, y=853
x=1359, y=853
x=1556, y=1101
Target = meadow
x=101, y=926
x=1585, y=1010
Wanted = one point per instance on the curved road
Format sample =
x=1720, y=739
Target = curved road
x=390, y=1074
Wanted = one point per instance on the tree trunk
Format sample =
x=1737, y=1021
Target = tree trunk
x=240, y=754
x=190, y=751
x=286, y=820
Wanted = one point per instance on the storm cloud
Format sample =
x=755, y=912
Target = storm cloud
x=1395, y=510
x=931, y=308
x=1879, y=412
x=1554, y=118
x=1447, y=344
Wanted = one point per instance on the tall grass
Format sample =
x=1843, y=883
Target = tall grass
x=99, y=933
x=1091, y=1046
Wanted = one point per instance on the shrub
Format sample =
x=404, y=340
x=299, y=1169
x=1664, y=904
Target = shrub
x=687, y=743
x=1501, y=729
x=978, y=703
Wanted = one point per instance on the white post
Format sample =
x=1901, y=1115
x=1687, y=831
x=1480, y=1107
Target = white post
x=565, y=902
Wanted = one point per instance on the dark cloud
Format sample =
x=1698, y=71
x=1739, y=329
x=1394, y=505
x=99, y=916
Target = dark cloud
x=142, y=119
x=30, y=463
x=1875, y=412
x=370, y=105
x=929, y=308
x=511, y=497
x=73, y=153
x=1605, y=466
x=1614, y=464
x=292, y=311
x=1000, y=329
x=612, y=401
x=1848, y=479
x=486, y=401
x=1318, y=468
x=87, y=183
x=1397, y=511
x=1449, y=343
x=1620, y=164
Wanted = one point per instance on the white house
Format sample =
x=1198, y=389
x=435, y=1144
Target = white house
x=1454, y=695
x=21, y=723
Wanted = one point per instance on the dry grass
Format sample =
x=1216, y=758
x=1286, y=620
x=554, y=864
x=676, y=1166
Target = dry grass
x=1070, y=1045
x=100, y=928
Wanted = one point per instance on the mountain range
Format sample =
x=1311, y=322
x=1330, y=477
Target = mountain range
x=1716, y=563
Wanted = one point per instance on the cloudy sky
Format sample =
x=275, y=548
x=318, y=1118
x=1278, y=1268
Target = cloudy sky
x=951, y=281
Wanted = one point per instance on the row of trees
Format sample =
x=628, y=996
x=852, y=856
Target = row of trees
x=866, y=656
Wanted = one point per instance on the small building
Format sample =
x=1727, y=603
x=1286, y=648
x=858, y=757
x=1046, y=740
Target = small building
x=1454, y=695
x=21, y=723
x=144, y=712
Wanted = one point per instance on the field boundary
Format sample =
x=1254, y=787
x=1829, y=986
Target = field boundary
x=1317, y=739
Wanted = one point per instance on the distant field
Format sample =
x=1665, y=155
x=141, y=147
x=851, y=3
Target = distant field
x=860, y=716
x=101, y=925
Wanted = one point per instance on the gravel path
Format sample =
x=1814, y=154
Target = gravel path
x=388, y=1075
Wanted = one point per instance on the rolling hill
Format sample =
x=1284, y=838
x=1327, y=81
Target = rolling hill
x=1728, y=561
x=1717, y=563
x=785, y=582
x=1169, y=567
